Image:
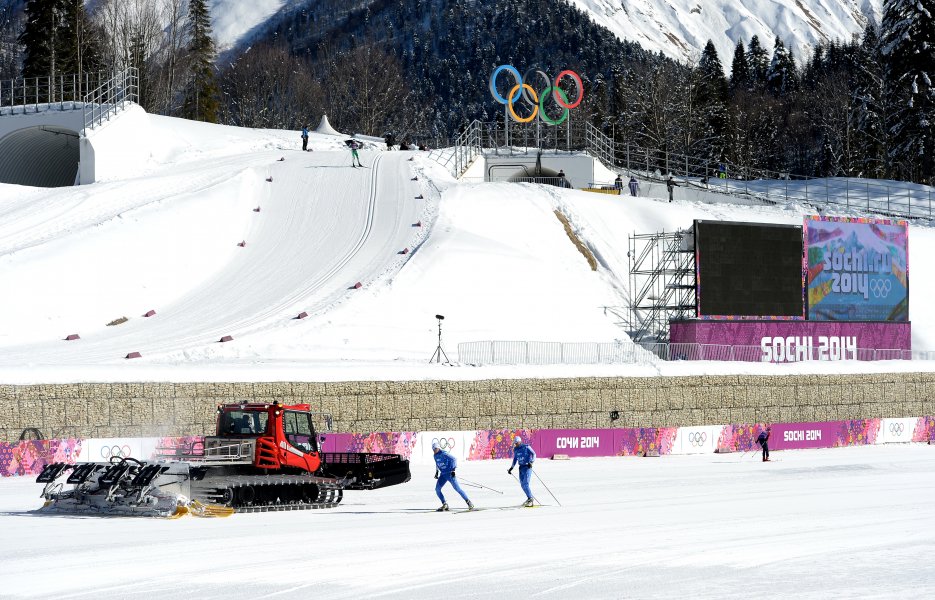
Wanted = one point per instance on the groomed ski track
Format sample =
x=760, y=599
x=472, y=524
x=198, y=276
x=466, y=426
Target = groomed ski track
x=322, y=227
x=838, y=523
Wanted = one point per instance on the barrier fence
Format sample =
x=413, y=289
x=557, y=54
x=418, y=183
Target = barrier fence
x=587, y=353
x=655, y=165
x=29, y=457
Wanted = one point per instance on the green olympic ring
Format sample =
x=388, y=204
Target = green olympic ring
x=546, y=94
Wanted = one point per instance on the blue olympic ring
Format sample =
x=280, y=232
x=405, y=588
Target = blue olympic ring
x=516, y=77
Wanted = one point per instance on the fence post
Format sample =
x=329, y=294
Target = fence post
x=847, y=192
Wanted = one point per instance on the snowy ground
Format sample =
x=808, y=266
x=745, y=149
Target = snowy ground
x=845, y=523
x=161, y=233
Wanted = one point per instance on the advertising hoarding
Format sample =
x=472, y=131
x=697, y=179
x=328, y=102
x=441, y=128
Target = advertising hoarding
x=792, y=341
x=858, y=269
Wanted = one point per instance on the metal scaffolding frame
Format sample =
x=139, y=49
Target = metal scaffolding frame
x=662, y=282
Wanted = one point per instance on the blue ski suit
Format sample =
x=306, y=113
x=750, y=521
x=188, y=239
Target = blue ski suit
x=763, y=440
x=525, y=456
x=446, y=463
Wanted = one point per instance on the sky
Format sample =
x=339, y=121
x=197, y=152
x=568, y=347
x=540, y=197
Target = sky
x=161, y=232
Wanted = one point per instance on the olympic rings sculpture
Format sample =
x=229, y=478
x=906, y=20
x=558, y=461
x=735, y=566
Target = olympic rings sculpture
x=445, y=443
x=536, y=99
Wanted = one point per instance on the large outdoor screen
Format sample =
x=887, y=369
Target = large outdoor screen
x=858, y=269
x=749, y=270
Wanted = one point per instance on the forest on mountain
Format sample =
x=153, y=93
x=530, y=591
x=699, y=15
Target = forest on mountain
x=419, y=69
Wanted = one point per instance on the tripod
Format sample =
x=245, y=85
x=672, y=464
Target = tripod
x=439, y=351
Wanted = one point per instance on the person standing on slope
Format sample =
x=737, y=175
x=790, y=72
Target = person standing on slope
x=670, y=186
x=354, y=145
x=763, y=441
x=634, y=186
x=445, y=465
x=304, y=138
x=525, y=456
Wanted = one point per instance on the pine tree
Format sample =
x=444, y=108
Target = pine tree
x=740, y=78
x=759, y=63
x=871, y=115
x=710, y=102
x=201, y=94
x=10, y=26
x=908, y=36
x=59, y=39
x=781, y=77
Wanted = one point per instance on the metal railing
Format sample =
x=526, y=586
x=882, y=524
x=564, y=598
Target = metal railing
x=38, y=94
x=588, y=353
x=99, y=95
x=552, y=353
x=703, y=174
x=110, y=97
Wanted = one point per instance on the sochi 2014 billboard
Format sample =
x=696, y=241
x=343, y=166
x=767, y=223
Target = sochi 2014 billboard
x=858, y=269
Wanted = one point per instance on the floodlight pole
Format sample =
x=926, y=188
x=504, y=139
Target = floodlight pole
x=439, y=351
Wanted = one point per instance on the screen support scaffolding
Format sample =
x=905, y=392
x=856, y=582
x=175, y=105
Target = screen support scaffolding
x=662, y=282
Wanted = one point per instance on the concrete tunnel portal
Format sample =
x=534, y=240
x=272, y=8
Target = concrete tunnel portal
x=40, y=156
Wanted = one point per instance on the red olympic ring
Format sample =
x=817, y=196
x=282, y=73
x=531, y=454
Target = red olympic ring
x=578, y=83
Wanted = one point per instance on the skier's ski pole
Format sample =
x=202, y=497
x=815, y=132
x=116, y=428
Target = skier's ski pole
x=546, y=487
x=479, y=485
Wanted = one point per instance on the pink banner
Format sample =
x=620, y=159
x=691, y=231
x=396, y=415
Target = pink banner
x=574, y=442
x=30, y=457
x=831, y=434
x=792, y=341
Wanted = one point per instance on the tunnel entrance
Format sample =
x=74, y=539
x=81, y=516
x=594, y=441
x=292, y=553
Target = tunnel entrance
x=41, y=156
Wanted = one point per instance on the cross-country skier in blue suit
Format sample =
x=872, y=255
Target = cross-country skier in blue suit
x=763, y=441
x=525, y=456
x=445, y=465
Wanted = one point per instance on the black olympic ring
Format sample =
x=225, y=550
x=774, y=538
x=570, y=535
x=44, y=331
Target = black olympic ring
x=118, y=451
x=444, y=443
x=881, y=287
x=697, y=438
x=897, y=428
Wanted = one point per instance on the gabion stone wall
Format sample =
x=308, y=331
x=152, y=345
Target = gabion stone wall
x=154, y=409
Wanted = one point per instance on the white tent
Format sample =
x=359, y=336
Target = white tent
x=325, y=127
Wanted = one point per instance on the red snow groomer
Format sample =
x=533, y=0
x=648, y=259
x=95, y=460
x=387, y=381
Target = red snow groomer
x=264, y=457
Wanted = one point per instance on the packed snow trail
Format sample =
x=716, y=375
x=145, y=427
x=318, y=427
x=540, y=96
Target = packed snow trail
x=843, y=522
x=322, y=227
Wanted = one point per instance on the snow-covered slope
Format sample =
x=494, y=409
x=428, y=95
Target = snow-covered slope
x=677, y=28
x=493, y=258
x=681, y=28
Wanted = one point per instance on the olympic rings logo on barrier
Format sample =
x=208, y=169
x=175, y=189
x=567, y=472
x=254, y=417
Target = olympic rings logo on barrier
x=536, y=99
x=897, y=428
x=445, y=443
x=697, y=438
x=881, y=287
x=115, y=451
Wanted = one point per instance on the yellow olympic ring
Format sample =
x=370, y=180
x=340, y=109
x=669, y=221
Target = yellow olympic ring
x=535, y=98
